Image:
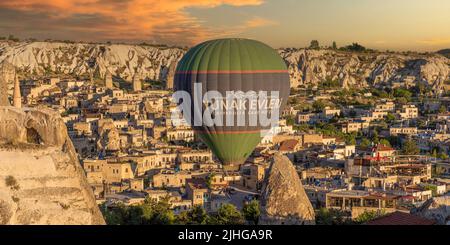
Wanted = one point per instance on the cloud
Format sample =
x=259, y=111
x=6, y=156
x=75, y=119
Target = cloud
x=125, y=20
x=435, y=41
x=252, y=23
x=259, y=22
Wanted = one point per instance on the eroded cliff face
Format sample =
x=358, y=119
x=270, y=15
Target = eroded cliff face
x=306, y=67
x=124, y=61
x=41, y=180
x=437, y=209
x=366, y=69
x=283, y=199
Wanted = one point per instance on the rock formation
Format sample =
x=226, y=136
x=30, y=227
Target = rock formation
x=444, y=52
x=108, y=80
x=437, y=209
x=311, y=67
x=4, y=101
x=7, y=75
x=137, y=83
x=306, y=67
x=17, y=97
x=121, y=60
x=171, y=75
x=283, y=199
x=41, y=180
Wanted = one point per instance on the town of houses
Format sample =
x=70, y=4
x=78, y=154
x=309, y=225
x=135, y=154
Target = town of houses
x=357, y=160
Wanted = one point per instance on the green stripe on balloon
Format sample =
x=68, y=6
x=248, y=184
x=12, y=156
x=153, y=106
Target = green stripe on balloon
x=231, y=55
x=232, y=65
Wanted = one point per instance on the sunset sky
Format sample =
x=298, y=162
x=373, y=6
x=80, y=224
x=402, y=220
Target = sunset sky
x=422, y=25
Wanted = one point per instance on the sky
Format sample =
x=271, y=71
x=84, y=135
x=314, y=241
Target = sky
x=418, y=25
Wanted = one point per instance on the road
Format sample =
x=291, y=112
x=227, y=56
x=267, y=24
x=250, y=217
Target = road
x=238, y=196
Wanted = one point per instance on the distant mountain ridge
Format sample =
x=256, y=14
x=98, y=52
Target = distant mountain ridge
x=445, y=52
x=306, y=67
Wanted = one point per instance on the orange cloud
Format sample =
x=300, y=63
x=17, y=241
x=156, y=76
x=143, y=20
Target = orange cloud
x=132, y=19
x=259, y=22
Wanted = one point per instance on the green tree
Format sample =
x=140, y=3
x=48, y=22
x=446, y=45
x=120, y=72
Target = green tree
x=135, y=215
x=402, y=100
x=434, y=153
x=410, y=148
x=442, y=109
x=375, y=138
x=162, y=213
x=229, y=215
x=368, y=216
x=433, y=189
x=326, y=216
x=290, y=121
x=334, y=119
x=334, y=46
x=251, y=212
x=390, y=118
x=402, y=93
x=314, y=44
x=385, y=142
x=303, y=127
x=209, y=180
x=318, y=105
x=354, y=47
x=329, y=83
x=365, y=143
x=350, y=139
x=148, y=213
x=442, y=156
x=115, y=215
x=196, y=216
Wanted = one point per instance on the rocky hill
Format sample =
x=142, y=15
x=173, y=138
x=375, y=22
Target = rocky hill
x=445, y=52
x=41, y=180
x=283, y=199
x=366, y=69
x=306, y=67
x=124, y=61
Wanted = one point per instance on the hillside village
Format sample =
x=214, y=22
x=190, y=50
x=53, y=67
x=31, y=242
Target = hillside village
x=373, y=150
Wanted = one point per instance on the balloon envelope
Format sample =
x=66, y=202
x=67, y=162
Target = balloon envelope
x=232, y=66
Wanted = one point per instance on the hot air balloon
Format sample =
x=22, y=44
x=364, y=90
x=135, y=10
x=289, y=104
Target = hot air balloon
x=227, y=68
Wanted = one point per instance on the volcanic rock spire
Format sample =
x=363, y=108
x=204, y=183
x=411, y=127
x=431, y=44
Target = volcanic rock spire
x=17, y=98
x=137, y=83
x=3, y=92
x=108, y=80
x=283, y=199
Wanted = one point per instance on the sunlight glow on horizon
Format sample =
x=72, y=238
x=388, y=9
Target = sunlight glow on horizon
x=421, y=25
